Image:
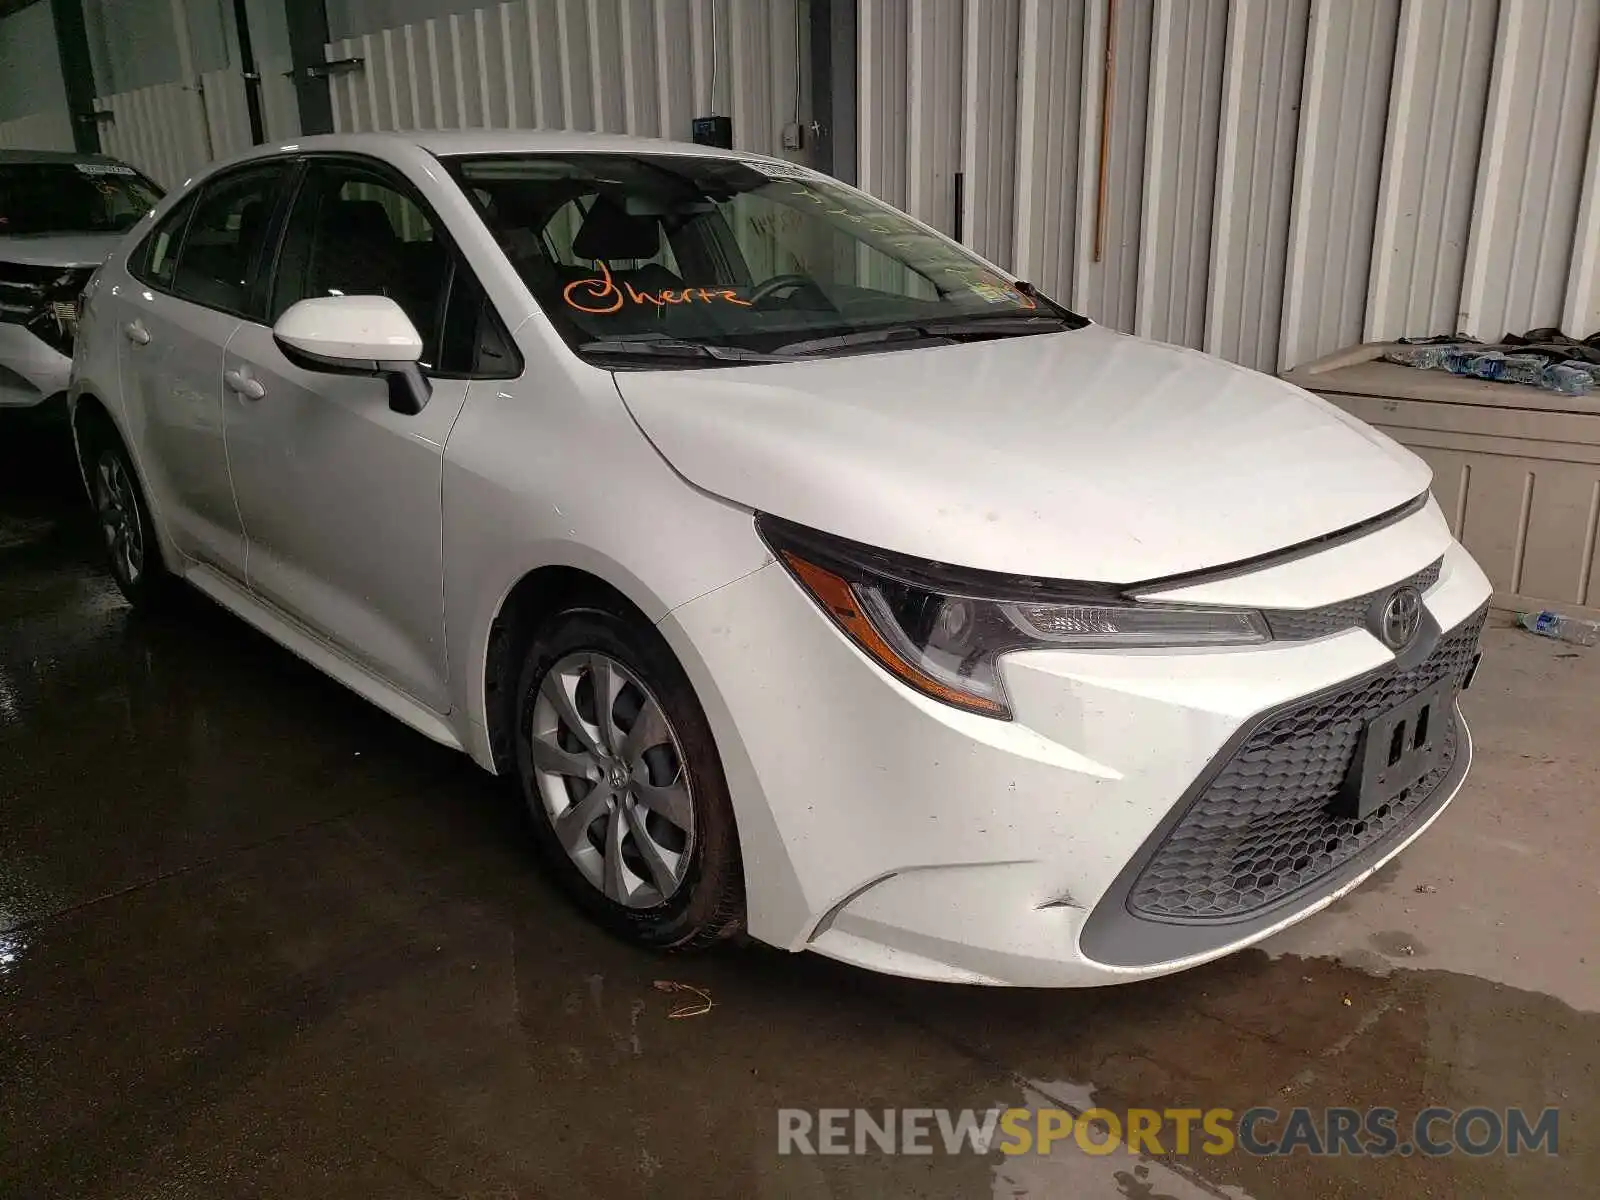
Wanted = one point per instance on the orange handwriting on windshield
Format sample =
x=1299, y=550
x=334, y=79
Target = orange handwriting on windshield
x=602, y=295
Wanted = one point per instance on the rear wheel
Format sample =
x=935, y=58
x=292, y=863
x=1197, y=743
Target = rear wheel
x=623, y=783
x=126, y=531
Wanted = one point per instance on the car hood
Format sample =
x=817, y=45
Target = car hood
x=1084, y=455
x=59, y=249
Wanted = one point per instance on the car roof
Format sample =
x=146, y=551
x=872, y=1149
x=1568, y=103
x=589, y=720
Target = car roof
x=54, y=156
x=448, y=143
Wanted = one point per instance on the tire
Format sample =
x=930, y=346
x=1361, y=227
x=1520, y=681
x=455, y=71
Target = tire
x=127, y=534
x=620, y=795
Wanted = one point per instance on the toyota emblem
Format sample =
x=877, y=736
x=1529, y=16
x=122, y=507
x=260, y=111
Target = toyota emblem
x=1401, y=616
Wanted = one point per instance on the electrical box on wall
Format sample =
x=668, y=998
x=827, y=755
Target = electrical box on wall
x=714, y=131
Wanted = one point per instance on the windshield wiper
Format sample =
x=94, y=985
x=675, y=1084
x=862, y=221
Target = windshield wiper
x=650, y=347
x=947, y=330
x=996, y=325
x=844, y=341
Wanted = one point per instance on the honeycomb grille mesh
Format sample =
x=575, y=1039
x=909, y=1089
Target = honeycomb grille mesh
x=1262, y=828
x=1300, y=625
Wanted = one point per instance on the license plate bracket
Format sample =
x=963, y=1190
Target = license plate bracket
x=1393, y=752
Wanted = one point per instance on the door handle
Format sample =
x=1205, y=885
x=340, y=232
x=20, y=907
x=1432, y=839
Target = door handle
x=245, y=386
x=136, y=333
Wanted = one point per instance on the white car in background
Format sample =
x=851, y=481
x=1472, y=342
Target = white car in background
x=811, y=575
x=60, y=215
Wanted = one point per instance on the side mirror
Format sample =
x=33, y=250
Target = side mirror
x=357, y=335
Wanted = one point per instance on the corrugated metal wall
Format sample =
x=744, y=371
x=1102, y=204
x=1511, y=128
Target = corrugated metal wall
x=616, y=66
x=42, y=131
x=171, y=130
x=1279, y=178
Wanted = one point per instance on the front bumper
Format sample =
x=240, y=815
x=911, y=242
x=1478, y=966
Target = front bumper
x=897, y=833
x=31, y=370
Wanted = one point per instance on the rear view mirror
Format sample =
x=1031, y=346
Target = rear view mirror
x=357, y=335
x=650, y=206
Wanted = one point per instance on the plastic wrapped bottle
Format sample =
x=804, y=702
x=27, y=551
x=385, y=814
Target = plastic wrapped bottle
x=1425, y=358
x=1526, y=369
x=1592, y=370
x=1491, y=365
x=1458, y=359
x=1568, y=379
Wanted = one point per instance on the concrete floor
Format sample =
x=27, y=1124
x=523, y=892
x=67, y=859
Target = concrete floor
x=256, y=939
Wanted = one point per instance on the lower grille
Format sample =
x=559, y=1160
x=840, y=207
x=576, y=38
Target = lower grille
x=1264, y=828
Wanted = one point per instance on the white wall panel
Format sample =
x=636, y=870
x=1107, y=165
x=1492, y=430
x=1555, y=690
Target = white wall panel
x=1284, y=178
x=1049, y=100
x=162, y=130
x=1343, y=115
x=1107, y=288
x=641, y=93
x=644, y=67
x=280, y=110
x=50, y=130
x=676, y=69
x=933, y=110
x=1583, y=287
x=1259, y=124
x=989, y=126
x=1180, y=169
x=1531, y=171
x=768, y=51
x=1441, y=85
x=881, y=133
x=227, y=113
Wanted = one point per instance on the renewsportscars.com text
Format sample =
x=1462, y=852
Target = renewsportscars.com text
x=1372, y=1132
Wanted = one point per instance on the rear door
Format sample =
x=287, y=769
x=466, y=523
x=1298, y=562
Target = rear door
x=199, y=272
x=341, y=496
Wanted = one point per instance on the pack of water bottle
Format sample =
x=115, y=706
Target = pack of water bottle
x=1571, y=378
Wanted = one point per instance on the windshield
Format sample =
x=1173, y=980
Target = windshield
x=697, y=258
x=72, y=197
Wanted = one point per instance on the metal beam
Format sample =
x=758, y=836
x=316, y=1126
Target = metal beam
x=77, y=73
x=252, y=75
x=308, y=34
x=833, y=87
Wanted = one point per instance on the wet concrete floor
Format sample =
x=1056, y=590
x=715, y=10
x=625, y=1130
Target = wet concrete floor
x=258, y=940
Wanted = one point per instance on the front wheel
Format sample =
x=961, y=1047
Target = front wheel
x=124, y=520
x=623, y=783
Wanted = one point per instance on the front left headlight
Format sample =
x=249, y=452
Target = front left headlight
x=942, y=630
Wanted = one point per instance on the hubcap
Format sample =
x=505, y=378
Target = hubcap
x=609, y=772
x=119, y=518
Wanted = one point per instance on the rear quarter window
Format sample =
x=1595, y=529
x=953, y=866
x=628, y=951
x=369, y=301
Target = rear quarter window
x=157, y=256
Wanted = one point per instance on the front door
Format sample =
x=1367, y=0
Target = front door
x=341, y=496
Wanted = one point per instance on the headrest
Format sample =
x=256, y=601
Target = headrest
x=609, y=232
x=366, y=219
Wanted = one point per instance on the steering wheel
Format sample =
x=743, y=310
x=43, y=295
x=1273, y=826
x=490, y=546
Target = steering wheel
x=789, y=282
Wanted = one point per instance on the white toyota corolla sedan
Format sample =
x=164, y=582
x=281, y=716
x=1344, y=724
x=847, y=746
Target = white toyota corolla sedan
x=811, y=575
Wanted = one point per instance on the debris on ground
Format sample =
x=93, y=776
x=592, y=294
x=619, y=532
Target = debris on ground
x=1577, y=630
x=691, y=1009
x=1426, y=889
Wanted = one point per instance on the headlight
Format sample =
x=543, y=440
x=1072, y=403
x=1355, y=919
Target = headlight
x=942, y=631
